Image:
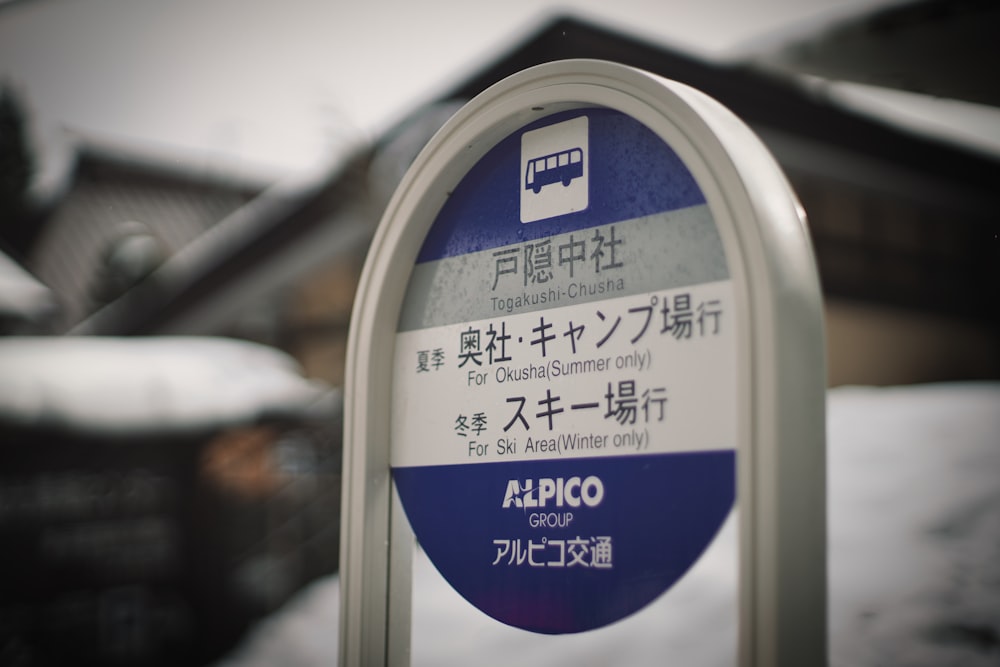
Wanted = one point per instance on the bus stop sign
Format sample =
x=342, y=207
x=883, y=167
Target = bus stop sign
x=588, y=334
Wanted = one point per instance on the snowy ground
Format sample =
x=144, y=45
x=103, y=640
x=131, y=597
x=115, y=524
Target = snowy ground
x=914, y=560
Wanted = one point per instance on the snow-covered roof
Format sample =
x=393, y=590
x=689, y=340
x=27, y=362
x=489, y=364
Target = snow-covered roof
x=140, y=386
x=22, y=298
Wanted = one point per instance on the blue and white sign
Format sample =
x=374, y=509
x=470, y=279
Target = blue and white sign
x=564, y=403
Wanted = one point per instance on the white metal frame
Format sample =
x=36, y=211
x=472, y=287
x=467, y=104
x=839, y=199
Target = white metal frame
x=781, y=489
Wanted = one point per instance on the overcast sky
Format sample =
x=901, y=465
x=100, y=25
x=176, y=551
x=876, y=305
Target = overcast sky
x=268, y=86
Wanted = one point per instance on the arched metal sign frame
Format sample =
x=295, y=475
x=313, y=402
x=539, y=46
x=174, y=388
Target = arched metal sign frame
x=780, y=356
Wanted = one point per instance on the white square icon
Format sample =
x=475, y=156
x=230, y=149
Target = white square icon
x=554, y=170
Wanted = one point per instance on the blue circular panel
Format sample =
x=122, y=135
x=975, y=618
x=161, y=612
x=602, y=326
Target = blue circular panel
x=556, y=542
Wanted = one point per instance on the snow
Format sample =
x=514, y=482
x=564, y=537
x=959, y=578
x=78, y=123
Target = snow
x=131, y=386
x=915, y=525
x=914, y=560
x=22, y=297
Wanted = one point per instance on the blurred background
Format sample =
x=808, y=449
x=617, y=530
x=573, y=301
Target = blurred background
x=196, y=183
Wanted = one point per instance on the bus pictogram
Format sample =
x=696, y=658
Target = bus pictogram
x=562, y=166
